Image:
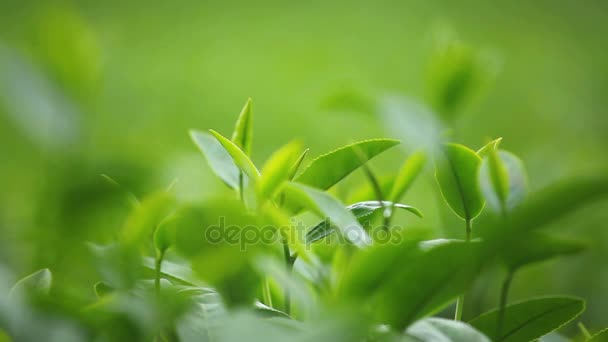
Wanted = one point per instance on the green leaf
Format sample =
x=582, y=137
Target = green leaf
x=330, y=168
x=218, y=158
x=601, y=336
x=403, y=282
x=492, y=145
x=37, y=282
x=530, y=319
x=537, y=247
x=456, y=173
x=440, y=329
x=176, y=272
x=277, y=169
x=143, y=220
x=267, y=311
x=502, y=180
x=361, y=210
x=238, y=156
x=326, y=206
x=164, y=235
x=296, y=166
x=243, y=130
x=406, y=176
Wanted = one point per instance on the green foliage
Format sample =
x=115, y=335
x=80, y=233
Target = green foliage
x=407, y=174
x=456, y=172
x=238, y=156
x=531, y=319
x=37, y=282
x=219, y=159
x=439, y=329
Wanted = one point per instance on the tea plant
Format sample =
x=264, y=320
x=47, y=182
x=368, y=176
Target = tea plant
x=283, y=258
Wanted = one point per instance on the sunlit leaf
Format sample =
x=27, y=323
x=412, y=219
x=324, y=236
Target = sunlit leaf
x=530, y=319
x=330, y=168
x=406, y=176
x=219, y=159
x=296, y=165
x=324, y=205
x=441, y=329
x=238, y=156
x=277, y=169
x=456, y=172
x=243, y=130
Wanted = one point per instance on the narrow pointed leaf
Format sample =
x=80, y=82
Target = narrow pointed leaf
x=330, y=168
x=601, y=336
x=325, y=205
x=503, y=181
x=440, y=329
x=277, y=169
x=456, y=173
x=530, y=319
x=296, y=165
x=238, y=156
x=218, y=158
x=406, y=176
x=243, y=130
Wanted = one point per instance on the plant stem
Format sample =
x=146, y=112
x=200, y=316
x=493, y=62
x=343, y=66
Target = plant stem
x=241, y=190
x=289, y=265
x=504, y=293
x=159, y=260
x=460, y=300
x=266, y=293
x=584, y=330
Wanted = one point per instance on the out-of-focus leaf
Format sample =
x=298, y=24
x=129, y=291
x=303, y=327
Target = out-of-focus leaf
x=220, y=239
x=554, y=337
x=243, y=130
x=164, y=235
x=324, y=205
x=4, y=336
x=404, y=283
x=143, y=220
x=492, y=145
x=502, y=180
x=456, y=172
x=176, y=272
x=238, y=156
x=537, y=247
x=38, y=282
x=440, y=329
x=267, y=311
x=102, y=289
x=406, y=176
x=277, y=169
x=330, y=168
x=219, y=159
x=360, y=210
x=530, y=319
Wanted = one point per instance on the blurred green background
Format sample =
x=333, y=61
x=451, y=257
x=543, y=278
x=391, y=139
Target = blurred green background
x=90, y=88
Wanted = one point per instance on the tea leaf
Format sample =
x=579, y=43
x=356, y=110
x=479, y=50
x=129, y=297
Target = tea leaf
x=277, y=170
x=296, y=166
x=38, y=282
x=102, y=289
x=238, y=156
x=600, y=336
x=492, y=145
x=243, y=130
x=537, y=247
x=456, y=173
x=502, y=180
x=407, y=174
x=530, y=319
x=360, y=210
x=164, y=235
x=330, y=168
x=219, y=159
x=142, y=221
x=325, y=205
x=441, y=329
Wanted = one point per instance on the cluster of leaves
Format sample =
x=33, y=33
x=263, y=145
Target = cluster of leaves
x=165, y=279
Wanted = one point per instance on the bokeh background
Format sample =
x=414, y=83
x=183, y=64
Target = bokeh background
x=112, y=87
